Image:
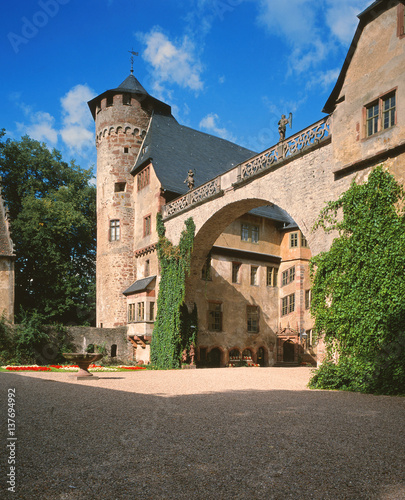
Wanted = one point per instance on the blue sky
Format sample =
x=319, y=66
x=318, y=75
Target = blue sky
x=227, y=67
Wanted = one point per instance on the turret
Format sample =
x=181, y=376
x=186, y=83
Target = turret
x=122, y=117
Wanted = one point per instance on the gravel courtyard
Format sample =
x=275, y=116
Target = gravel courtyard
x=254, y=433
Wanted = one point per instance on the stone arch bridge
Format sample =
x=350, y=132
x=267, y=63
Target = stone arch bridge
x=298, y=175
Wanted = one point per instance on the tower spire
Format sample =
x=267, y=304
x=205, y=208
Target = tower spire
x=132, y=59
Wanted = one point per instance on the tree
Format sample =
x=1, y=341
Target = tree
x=53, y=226
x=358, y=294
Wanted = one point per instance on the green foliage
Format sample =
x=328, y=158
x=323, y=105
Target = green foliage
x=174, y=328
x=358, y=294
x=32, y=342
x=52, y=207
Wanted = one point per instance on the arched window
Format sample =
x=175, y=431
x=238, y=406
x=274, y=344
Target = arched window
x=114, y=350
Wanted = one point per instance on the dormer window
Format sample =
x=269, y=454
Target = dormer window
x=381, y=114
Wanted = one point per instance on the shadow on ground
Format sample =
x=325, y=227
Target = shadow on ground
x=77, y=441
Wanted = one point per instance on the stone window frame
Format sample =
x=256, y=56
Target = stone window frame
x=375, y=120
x=140, y=312
x=143, y=178
x=147, y=225
x=236, y=272
x=288, y=276
x=294, y=240
x=120, y=187
x=131, y=312
x=254, y=275
x=215, y=316
x=288, y=304
x=115, y=230
x=271, y=275
x=307, y=299
x=249, y=233
x=252, y=318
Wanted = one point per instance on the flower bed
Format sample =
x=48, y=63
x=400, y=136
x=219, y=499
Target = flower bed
x=64, y=368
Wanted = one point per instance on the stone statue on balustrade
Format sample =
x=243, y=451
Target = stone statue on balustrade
x=282, y=125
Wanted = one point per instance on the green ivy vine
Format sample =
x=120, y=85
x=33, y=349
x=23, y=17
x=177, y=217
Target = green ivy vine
x=175, y=328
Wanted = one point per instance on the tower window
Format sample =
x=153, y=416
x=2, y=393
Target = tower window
x=126, y=99
x=119, y=187
x=147, y=225
x=114, y=230
x=110, y=100
x=126, y=151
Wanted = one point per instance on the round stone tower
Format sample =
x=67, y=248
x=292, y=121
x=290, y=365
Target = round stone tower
x=122, y=116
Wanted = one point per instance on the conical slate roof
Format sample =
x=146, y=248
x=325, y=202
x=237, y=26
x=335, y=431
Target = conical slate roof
x=131, y=84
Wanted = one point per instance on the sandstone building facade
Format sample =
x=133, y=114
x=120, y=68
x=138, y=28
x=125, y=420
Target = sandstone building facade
x=250, y=278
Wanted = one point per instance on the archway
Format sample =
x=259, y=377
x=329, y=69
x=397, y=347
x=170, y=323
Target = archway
x=288, y=351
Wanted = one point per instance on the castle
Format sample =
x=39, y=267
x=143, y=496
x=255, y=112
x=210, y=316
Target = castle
x=252, y=289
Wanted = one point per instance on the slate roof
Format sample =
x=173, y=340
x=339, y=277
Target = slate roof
x=139, y=285
x=276, y=213
x=131, y=84
x=173, y=149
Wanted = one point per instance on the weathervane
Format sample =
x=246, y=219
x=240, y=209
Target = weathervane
x=132, y=59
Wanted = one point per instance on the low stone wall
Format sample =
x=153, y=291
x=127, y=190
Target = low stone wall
x=114, y=340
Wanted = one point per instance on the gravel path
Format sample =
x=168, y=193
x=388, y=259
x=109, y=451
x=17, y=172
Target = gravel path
x=243, y=433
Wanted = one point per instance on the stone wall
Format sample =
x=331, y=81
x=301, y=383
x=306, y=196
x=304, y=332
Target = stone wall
x=104, y=337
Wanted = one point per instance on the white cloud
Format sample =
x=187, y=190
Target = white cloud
x=172, y=61
x=76, y=133
x=341, y=17
x=324, y=80
x=41, y=127
x=210, y=124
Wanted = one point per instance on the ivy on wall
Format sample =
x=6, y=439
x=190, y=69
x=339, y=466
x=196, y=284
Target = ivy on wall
x=358, y=293
x=175, y=328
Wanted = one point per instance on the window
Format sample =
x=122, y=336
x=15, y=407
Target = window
x=140, y=311
x=215, y=316
x=307, y=299
x=293, y=240
x=236, y=272
x=287, y=304
x=381, y=114
x=143, y=178
x=126, y=99
x=250, y=233
x=272, y=276
x=147, y=225
x=288, y=276
x=119, y=187
x=151, y=311
x=304, y=242
x=252, y=319
x=114, y=230
x=126, y=151
x=147, y=267
x=110, y=100
x=253, y=275
x=131, y=313
x=206, y=270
